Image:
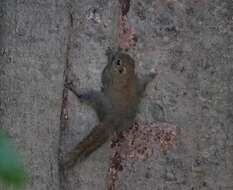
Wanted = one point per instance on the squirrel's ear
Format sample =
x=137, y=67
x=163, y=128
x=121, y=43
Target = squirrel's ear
x=112, y=51
x=119, y=49
x=110, y=54
x=108, y=51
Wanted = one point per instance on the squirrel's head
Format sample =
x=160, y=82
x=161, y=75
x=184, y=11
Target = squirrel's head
x=122, y=64
x=119, y=72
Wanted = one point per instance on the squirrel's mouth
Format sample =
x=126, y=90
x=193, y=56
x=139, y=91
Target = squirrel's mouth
x=121, y=70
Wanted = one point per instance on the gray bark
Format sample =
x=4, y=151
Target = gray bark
x=44, y=43
x=33, y=37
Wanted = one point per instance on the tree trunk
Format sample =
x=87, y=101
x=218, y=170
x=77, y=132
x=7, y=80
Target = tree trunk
x=44, y=44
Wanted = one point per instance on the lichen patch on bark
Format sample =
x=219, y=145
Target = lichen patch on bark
x=139, y=143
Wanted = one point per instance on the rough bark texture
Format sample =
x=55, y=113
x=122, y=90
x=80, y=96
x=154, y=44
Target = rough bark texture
x=32, y=42
x=189, y=44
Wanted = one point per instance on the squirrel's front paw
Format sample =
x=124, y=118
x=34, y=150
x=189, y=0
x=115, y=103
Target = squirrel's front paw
x=69, y=85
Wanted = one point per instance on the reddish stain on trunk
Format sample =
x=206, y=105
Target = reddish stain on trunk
x=125, y=6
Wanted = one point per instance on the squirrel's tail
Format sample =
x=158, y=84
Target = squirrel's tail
x=98, y=136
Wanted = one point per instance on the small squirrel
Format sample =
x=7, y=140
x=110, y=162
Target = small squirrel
x=116, y=104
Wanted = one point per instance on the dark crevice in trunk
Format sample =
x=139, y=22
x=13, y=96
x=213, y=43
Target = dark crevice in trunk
x=64, y=110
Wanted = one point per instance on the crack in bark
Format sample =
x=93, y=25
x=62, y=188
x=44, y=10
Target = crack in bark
x=64, y=110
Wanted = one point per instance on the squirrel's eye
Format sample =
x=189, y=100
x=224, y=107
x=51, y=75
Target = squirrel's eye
x=118, y=62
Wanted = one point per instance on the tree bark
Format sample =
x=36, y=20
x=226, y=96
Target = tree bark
x=189, y=43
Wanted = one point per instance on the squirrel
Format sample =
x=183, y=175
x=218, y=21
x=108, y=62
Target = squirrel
x=115, y=105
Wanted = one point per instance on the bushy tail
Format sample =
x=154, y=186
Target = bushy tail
x=98, y=136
